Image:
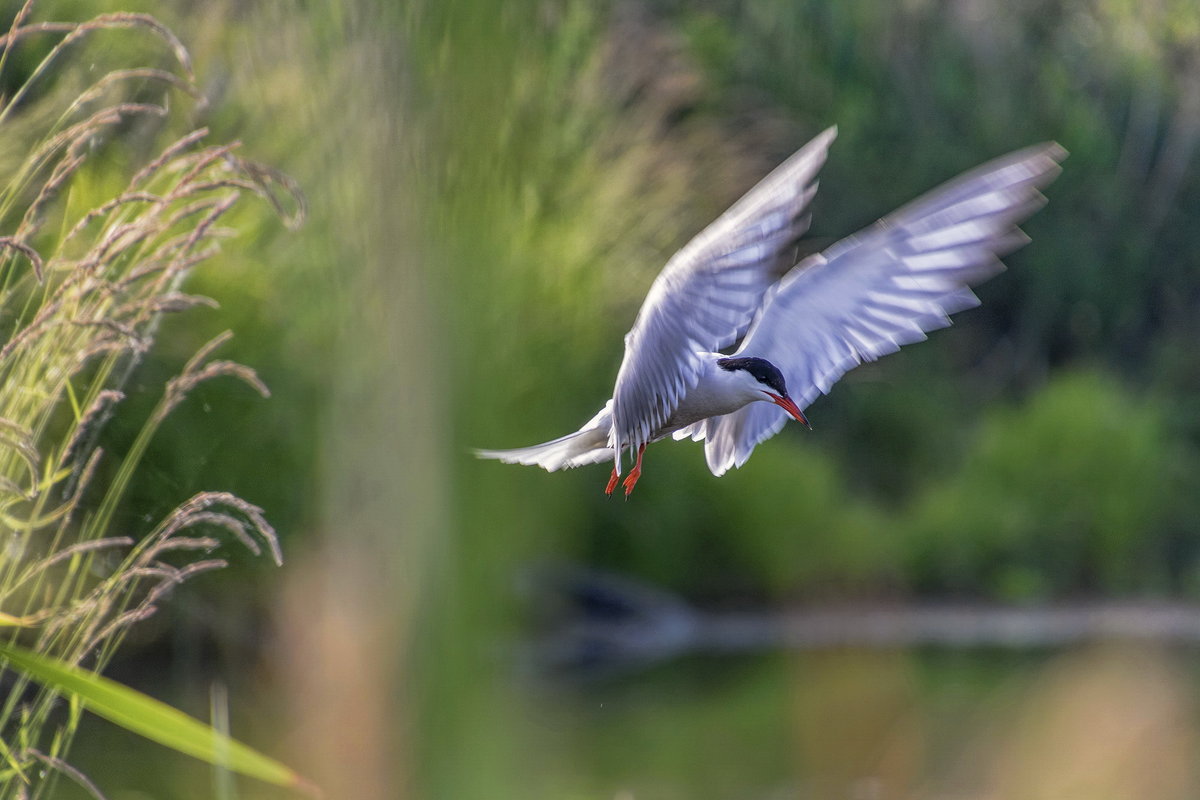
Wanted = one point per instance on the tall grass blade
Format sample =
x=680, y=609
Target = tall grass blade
x=153, y=719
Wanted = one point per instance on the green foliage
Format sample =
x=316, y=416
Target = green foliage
x=1075, y=491
x=801, y=530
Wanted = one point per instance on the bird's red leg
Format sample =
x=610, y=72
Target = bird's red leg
x=632, y=478
x=612, y=482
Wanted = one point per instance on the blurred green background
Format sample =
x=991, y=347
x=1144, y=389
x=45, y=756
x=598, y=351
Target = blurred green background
x=492, y=188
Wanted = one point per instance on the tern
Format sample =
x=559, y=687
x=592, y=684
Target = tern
x=794, y=328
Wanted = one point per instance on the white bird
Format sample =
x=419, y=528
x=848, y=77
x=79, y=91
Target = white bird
x=860, y=299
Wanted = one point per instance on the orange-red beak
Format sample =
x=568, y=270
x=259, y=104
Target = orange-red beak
x=787, y=405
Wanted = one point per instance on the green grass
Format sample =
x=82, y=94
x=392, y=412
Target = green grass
x=106, y=205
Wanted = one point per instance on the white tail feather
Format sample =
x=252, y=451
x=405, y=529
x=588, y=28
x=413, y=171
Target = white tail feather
x=588, y=445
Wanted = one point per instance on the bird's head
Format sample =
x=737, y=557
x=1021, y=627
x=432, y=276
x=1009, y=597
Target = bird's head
x=765, y=379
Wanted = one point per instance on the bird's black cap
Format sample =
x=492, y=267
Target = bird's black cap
x=763, y=371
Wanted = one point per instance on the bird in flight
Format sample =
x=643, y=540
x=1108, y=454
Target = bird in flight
x=794, y=328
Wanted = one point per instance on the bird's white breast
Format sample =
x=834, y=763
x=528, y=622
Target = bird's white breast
x=717, y=392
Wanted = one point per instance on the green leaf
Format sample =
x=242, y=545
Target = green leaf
x=153, y=719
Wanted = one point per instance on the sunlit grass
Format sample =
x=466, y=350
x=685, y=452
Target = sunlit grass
x=104, y=213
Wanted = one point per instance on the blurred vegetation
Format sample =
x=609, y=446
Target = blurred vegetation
x=1039, y=449
x=494, y=187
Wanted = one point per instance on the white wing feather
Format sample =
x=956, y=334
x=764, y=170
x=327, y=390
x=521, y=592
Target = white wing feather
x=707, y=294
x=884, y=287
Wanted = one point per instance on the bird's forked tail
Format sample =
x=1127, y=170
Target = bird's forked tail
x=588, y=445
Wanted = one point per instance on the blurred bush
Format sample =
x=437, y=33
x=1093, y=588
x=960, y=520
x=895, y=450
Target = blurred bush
x=1081, y=490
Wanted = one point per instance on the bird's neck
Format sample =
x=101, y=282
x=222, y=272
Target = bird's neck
x=718, y=391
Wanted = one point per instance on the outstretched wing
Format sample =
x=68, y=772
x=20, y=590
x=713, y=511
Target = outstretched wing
x=884, y=287
x=707, y=294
